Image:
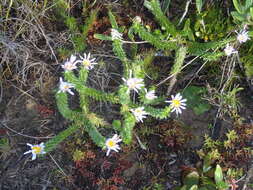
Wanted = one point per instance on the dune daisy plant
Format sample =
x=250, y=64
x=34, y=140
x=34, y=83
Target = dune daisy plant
x=133, y=107
x=137, y=19
x=177, y=103
x=70, y=64
x=139, y=113
x=115, y=34
x=242, y=36
x=133, y=83
x=36, y=149
x=229, y=50
x=112, y=144
x=150, y=95
x=87, y=62
x=65, y=87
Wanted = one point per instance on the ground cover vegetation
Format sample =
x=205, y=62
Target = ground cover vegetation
x=126, y=94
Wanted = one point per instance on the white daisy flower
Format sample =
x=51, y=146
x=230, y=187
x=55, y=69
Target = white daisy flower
x=243, y=36
x=87, y=62
x=177, y=103
x=139, y=113
x=133, y=83
x=65, y=87
x=116, y=35
x=229, y=50
x=137, y=19
x=70, y=64
x=36, y=149
x=112, y=144
x=150, y=95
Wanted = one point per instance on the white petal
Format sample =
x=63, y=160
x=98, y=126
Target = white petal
x=34, y=156
x=108, y=152
x=177, y=96
x=29, y=144
x=72, y=58
x=115, y=149
x=88, y=56
x=69, y=91
x=135, y=89
x=182, y=107
x=174, y=109
x=27, y=152
x=130, y=74
x=115, y=137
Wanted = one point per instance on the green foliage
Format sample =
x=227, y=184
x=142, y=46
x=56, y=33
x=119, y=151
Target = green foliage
x=229, y=101
x=113, y=20
x=212, y=24
x=95, y=135
x=179, y=60
x=243, y=13
x=165, y=5
x=187, y=31
x=155, y=8
x=191, y=179
x=78, y=31
x=5, y=148
x=199, y=4
x=52, y=143
x=92, y=122
x=89, y=22
x=119, y=52
x=159, y=113
x=248, y=66
x=171, y=38
x=228, y=151
x=231, y=139
x=155, y=186
x=201, y=180
x=194, y=94
x=158, y=186
x=157, y=41
x=246, y=59
x=128, y=125
x=200, y=49
x=78, y=155
x=62, y=104
x=218, y=175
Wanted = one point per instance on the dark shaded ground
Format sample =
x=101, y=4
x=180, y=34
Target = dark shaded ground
x=165, y=157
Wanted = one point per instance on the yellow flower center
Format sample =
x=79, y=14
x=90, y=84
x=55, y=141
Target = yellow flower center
x=37, y=149
x=138, y=111
x=240, y=37
x=111, y=143
x=70, y=66
x=86, y=63
x=132, y=84
x=66, y=87
x=176, y=103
